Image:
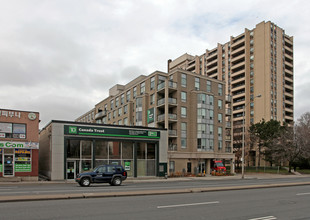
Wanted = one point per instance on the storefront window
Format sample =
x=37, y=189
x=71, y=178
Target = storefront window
x=86, y=149
x=86, y=165
x=22, y=160
x=101, y=150
x=141, y=151
x=73, y=149
x=150, y=151
x=127, y=150
x=114, y=150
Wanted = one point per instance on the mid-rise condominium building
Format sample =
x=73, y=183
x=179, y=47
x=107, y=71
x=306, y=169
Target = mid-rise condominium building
x=190, y=106
x=257, y=68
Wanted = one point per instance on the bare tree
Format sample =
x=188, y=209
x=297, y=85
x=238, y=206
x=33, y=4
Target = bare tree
x=302, y=134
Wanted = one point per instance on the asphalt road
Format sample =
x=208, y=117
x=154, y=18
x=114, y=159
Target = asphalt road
x=285, y=203
x=131, y=186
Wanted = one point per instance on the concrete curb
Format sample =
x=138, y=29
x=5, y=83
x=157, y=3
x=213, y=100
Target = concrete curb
x=140, y=193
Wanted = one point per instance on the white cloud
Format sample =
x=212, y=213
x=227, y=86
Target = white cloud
x=61, y=57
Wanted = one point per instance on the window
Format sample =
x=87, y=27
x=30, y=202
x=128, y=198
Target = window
x=219, y=117
x=125, y=109
x=114, y=114
x=109, y=116
x=183, y=96
x=208, y=86
x=197, y=83
x=201, y=98
x=152, y=83
x=220, y=104
x=116, y=102
x=183, y=129
x=126, y=121
x=220, y=132
x=220, y=145
x=112, y=104
x=183, y=143
x=211, y=129
x=201, y=128
x=120, y=111
x=183, y=80
x=183, y=112
x=135, y=92
x=128, y=96
x=119, y=122
x=142, y=88
x=220, y=89
x=10, y=130
x=122, y=98
x=211, y=112
x=201, y=113
x=211, y=100
x=152, y=99
x=139, y=102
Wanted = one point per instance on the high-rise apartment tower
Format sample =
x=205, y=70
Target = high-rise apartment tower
x=256, y=63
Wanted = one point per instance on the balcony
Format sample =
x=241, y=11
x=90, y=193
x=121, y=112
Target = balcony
x=171, y=101
x=161, y=86
x=228, y=98
x=172, y=116
x=172, y=147
x=172, y=85
x=100, y=115
x=228, y=124
x=228, y=111
x=161, y=118
x=172, y=133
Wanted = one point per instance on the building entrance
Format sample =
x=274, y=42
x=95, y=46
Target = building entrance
x=8, y=165
x=71, y=170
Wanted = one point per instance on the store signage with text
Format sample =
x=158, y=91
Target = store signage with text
x=14, y=144
x=110, y=132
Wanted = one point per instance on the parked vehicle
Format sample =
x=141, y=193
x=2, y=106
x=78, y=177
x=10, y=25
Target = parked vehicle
x=219, y=167
x=112, y=174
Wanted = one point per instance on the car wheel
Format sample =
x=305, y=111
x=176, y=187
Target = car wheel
x=85, y=181
x=117, y=181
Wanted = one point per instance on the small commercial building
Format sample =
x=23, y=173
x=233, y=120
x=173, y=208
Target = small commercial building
x=68, y=148
x=19, y=144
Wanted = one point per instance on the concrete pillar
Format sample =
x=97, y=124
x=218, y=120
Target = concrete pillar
x=232, y=166
x=208, y=169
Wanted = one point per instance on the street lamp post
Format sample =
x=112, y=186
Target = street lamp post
x=243, y=131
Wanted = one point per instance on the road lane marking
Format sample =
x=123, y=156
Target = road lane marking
x=302, y=194
x=190, y=204
x=264, y=218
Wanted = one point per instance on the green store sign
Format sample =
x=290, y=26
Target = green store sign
x=110, y=132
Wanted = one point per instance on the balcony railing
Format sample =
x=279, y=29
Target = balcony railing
x=161, y=86
x=161, y=101
x=172, y=147
x=172, y=132
x=172, y=85
x=172, y=116
x=100, y=114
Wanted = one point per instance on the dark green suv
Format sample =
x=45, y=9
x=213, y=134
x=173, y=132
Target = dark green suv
x=113, y=174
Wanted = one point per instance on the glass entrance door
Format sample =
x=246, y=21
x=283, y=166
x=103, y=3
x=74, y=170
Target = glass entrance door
x=71, y=170
x=8, y=165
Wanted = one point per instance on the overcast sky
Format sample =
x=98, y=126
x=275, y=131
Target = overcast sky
x=60, y=57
